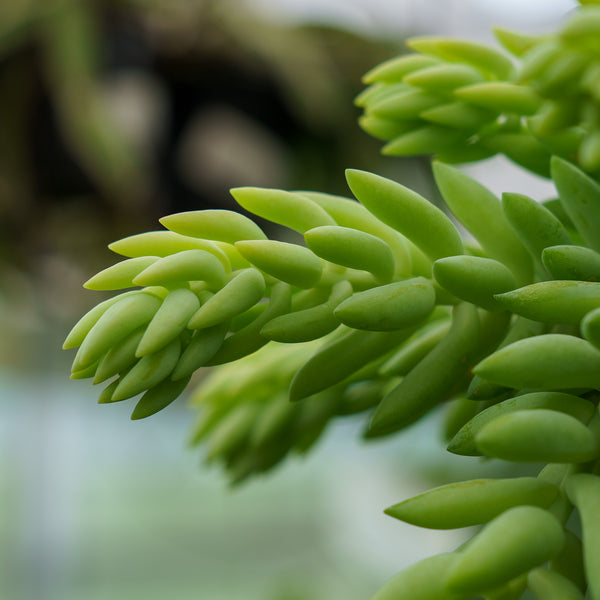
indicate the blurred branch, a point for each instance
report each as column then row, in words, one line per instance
column 72, row 57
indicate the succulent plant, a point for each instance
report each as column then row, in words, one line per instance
column 386, row 310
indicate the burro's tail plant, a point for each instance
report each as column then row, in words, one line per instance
column 386, row 310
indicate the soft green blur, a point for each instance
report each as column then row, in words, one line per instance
column 95, row 506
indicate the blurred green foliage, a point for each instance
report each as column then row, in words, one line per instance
column 115, row 112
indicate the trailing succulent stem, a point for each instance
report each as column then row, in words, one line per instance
column 385, row 311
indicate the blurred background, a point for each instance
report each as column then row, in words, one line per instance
column 112, row 114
